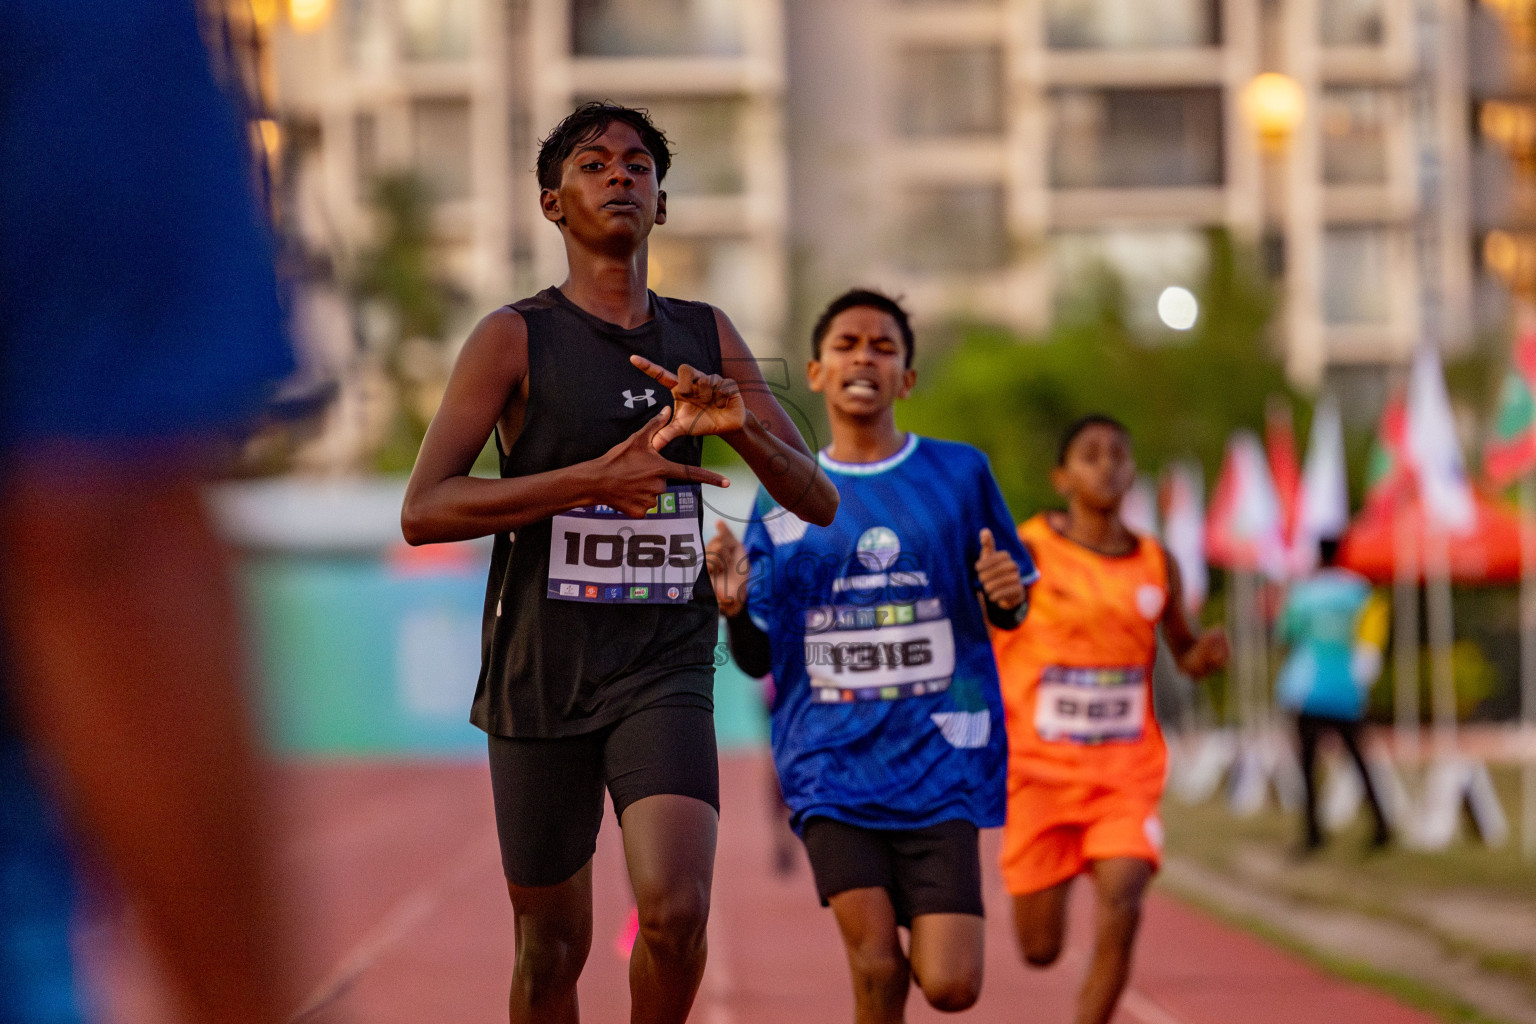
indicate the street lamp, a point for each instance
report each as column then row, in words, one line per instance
column 308, row 15
column 1274, row 104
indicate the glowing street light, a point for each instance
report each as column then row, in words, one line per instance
column 308, row 15
column 1177, row 308
column 1274, row 104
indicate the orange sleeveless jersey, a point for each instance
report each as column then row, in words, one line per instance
column 1077, row 675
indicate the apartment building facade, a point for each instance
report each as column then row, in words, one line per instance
column 993, row 152
column 981, row 157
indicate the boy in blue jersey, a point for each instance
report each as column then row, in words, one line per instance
column 1325, row 678
column 887, row 719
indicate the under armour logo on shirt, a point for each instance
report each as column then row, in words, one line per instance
column 630, row 398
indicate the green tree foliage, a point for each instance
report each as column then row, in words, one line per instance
column 399, row 276
column 1180, row 396
column 400, row 271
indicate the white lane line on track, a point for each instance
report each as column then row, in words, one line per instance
column 1137, row 1004
column 401, row 919
column 1145, row 1010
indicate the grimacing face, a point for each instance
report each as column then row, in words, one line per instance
column 861, row 369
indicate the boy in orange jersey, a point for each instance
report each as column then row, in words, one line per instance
column 1086, row 758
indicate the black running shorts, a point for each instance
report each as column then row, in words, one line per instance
column 549, row 792
column 933, row 870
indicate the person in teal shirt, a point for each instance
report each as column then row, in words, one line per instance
column 1324, row 679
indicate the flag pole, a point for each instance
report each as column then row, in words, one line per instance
column 1405, row 638
column 1528, row 667
column 1437, row 576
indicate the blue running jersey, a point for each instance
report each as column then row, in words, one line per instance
column 887, row 712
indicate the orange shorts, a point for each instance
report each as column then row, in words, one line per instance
column 1054, row 830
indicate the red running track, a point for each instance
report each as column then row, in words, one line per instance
column 395, row 877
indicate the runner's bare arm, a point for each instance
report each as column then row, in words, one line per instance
column 489, row 384
column 762, row 433
column 1197, row 654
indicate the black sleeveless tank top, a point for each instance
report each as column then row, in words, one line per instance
column 560, row 668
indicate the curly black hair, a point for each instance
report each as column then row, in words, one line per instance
column 586, row 123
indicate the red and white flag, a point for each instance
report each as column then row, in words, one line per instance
column 1243, row 524
column 1323, row 501
column 1433, row 450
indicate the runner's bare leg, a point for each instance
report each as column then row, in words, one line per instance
column 1040, row 920
column 1119, row 884
column 553, row 934
column 947, row 952
column 881, row 973
column 669, row 843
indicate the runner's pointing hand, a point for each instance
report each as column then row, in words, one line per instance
column 633, row 473
column 706, row 403
column 999, row 574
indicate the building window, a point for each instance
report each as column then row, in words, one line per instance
column 706, row 135
column 1354, row 136
column 436, row 29
column 440, row 143
column 955, row 227
column 1356, row 264
column 1142, row 263
column 1136, row 138
column 714, row 270
column 368, row 41
column 950, row 91
column 1116, row 25
column 1351, row 22
column 656, row 28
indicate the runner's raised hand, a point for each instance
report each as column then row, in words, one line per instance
column 706, row 403
column 728, row 569
column 633, row 473
column 999, row 574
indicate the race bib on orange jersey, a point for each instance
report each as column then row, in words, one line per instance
column 597, row 553
column 1091, row 705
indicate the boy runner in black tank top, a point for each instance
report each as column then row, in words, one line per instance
column 599, row 623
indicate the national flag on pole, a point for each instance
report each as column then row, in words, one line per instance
column 1284, row 466
column 1323, row 505
column 1387, row 475
column 1184, row 530
column 1242, row 526
column 1433, row 449
column 1511, row 451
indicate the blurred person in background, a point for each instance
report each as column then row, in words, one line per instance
column 887, row 720
column 139, row 332
column 600, row 629
column 1087, row 761
column 1334, row 627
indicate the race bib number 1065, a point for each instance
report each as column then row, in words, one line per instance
column 597, row 553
